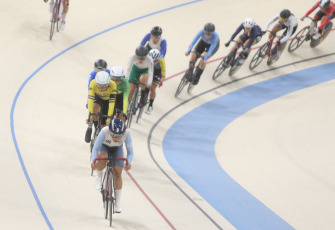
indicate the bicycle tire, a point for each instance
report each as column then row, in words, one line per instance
column 298, row 39
column 190, row 88
column 236, row 66
column 182, row 84
column 105, row 194
column 111, row 196
column 259, row 56
column 220, row 68
column 132, row 107
column 53, row 21
column 139, row 114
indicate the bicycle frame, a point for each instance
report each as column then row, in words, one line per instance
column 55, row 16
column 133, row 105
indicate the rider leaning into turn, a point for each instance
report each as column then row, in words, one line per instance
column 207, row 39
column 122, row 94
column 140, row 69
column 101, row 94
column 327, row 9
column 252, row 35
column 286, row 21
column 64, row 13
column 159, row 76
column 154, row 40
column 109, row 143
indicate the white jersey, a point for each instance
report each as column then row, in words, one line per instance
column 155, row 46
column 108, row 138
column 290, row 23
column 148, row 63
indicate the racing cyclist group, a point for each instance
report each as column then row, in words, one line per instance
column 111, row 90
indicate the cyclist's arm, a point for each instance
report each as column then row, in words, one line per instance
column 163, row 66
column 255, row 32
column 163, row 48
column 91, row 77
column 97, row 144
column 271, row 21
column 91, row 97
column 312, row 9
column 236, row 32
column 212, row 47
column 111, row 100
column 129, row 147
column 145, row 39
column 125, row 95
column 196, row 38
column 130, row 65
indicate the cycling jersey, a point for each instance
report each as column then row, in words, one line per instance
column 213, row 41
column 159, row 64
column 161, row 44
column 147, row 64
column 328, row 12
column 108, row 94
column 123, row 87
column 105, row 138
column 253, row 34
column 290, row 23
column 92, row 76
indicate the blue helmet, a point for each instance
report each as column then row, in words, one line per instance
column 117, row 127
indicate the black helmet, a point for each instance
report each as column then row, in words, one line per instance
column 285, row 14
column 209, row 28
column 141, row 52
column 100, row 65
column 156, row 31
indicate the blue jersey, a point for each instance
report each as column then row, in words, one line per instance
column 160, row 45
column 254, row 33
column 92, row 76
column 213, row 41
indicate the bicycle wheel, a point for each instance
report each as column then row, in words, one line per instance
column 110, row 196
column 221, row 67
column 132, row 107
column 328, row 28
column 105, row 193
column 53, row 21
column 139, row 114
column 258, row 57
column 298, row 39
column 183, row 82
column 236, row 66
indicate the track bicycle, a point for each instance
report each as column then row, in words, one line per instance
column 230, row 61
column 306, row 34
column 266, row 50
column 96, row 130
column 55, row 17
column 134, row 104
column 108, row 187
column 187, row 78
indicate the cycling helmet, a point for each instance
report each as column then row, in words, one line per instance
column 248, row 23
column 117, row 127
column 154, row 54
column 156, row 31
column 141, row 52
column 324, row 4
column 102, row 79
column 209, row 28
column 100, row 65
column 285, row 14
column 117, row 73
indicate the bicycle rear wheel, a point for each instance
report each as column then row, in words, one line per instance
column 298, row 39
column 54, row 18
column 236, row 66
column 183, row 82
column 258, row 57
column 132, row 107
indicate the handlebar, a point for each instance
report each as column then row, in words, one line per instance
column 110, row 159
column 96, row 114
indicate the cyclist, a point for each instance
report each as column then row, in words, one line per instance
column 101, row 94
column 65, row 4
column 99, row 65
column 159, row 76
column 286, row 21
column 154, row 40
column 252, row 35
column 117, row 75
column 208, row 43
column 109, row 143
column 140, row 69
column 327, row 8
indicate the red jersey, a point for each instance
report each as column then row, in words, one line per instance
column 328, row 12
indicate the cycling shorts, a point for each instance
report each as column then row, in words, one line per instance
column 136, row 73
column 114, row 152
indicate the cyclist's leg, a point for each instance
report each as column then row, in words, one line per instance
column 117, row 170
column 105, row 107
column 144, row 89
column 274, row 30
column 100, row 165
column 133, row 78
column 200, row 48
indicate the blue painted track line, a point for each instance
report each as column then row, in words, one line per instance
column 41, row 67
column 191, row 153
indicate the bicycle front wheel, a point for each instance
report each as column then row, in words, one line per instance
column 298, row 39
column 221, row 67
column 258, row 57
column 110, row 196
column 236, row 66
column 183, row 82
column 132, row 107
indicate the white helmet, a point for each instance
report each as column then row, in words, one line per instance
column 248, row 23
column 154, row 54
column 324, row 4
column 117, row 73
column 102, row 79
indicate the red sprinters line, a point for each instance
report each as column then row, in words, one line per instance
column 151, row 202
